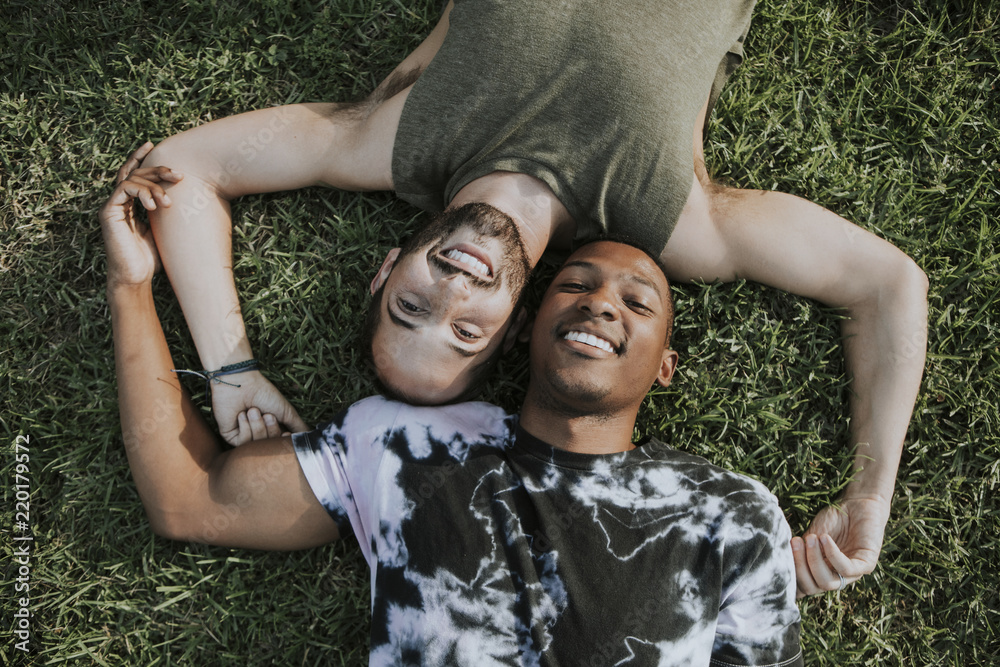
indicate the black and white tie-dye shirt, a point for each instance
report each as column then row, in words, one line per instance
column 489, row 547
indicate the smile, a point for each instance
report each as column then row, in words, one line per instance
column 471, row 263
column 591, row 340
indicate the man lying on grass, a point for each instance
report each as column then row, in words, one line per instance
column 592, row 122
column 492, row 539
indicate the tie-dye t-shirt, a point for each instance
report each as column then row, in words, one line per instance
column 489, row 547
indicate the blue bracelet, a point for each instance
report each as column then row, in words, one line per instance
column 213, row 376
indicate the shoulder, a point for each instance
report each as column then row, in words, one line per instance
column 733, row 498
column 377, row 418
column 450, row 430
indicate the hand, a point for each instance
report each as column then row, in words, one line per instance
column 132, row 256
column 259, row 427
column 254, row 393
column 844, row 540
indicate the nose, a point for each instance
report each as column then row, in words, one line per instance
column 455, row 287
column 599, row 303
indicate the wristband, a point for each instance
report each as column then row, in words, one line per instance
column 213, row 376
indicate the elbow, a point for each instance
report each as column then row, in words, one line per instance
column 176, row 525
column 891, row 278
column 177, row 154
column 162, row 528
column 891, row 285
column 914, row 276
column 184, row 153
column 910, row 282
column 167, row 153
column 202, row 174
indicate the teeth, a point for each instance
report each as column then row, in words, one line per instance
column 591, row 340
column 468, row 260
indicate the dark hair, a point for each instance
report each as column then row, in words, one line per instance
column 625, row 240
column 373, row 316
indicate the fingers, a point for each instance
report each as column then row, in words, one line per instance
column 258, row 430
column 272, row 426
column 158, row 174
column 150, row 194
column 131, row 168
column 804, row 580
column 822, row 572
column 243, row 434
column 259, row 427
column 851, row 569
column 133, row 161
column 820, row 564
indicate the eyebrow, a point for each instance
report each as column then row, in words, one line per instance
column 632, row 277
column 396, row 319
column 461, row 351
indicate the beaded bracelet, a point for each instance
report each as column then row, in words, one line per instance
column 213, row 376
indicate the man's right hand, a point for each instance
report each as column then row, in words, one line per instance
column 255, row 391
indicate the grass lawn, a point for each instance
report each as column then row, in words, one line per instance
column 885, row 112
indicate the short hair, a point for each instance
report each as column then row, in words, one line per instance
column 626, row 240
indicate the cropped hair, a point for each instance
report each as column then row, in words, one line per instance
column 625, row 240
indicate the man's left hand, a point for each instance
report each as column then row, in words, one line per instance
column 843, row 541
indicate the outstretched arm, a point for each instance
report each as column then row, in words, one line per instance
column 282, row 148
column 254, row 496
column 792, row 244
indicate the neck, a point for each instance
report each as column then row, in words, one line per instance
column 604, row 433
column 540, row 217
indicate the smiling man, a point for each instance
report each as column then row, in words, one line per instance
column 608, row 306
column 447, row 294
column 492, row 540
column 558, row 122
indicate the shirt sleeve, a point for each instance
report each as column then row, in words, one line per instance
column 729, row 64
column 340, row 460
column 759, row 622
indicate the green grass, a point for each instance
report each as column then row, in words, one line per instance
column 885, row 112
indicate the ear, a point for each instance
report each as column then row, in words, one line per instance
column 514, row 332
column 668, row 364
column 384, row 270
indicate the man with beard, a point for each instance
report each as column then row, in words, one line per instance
column 492, row 540
column 554, row 121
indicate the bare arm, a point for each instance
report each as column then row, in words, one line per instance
column 792, row 244
column 295, row 146
column 255, row 496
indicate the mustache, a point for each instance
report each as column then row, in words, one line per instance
column 451, row 269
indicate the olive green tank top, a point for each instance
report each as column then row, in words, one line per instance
column 596, row 99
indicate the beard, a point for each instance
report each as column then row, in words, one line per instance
column 572, row 397
column 488, row 223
